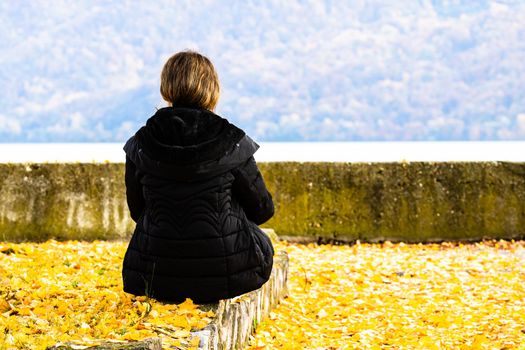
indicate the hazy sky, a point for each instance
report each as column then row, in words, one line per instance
column 290, row 70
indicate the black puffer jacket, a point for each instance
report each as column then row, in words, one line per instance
column 197, row 196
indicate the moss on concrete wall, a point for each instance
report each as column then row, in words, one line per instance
column 418, row 201
column 63, row 201
column 413, row 202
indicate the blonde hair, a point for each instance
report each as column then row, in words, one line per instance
column 189, row 79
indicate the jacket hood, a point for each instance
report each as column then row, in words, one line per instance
column 188, row 144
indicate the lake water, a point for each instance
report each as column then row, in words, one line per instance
column 513, row 151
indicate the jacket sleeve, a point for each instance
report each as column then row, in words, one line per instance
column 134, row 195
column 250, row 190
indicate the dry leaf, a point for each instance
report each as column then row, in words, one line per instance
column 400, row 296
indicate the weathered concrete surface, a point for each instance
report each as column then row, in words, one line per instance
column 63, row 201
column 413, row 202
column 147, row 344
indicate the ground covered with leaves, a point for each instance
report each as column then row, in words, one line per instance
column 365, row 296
column 72, row 291
column 399, row 296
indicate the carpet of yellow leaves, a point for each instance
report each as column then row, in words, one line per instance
column 400, row 296
column 365, row 296
column 72, row 291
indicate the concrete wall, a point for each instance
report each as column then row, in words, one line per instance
column 418, row 201
column 63, row 201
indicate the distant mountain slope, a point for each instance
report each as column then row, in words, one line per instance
column 294, row 70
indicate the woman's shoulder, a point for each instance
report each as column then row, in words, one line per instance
column 190, row 143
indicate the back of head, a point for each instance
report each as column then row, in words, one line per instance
column 189, row 79
column 188, row 141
